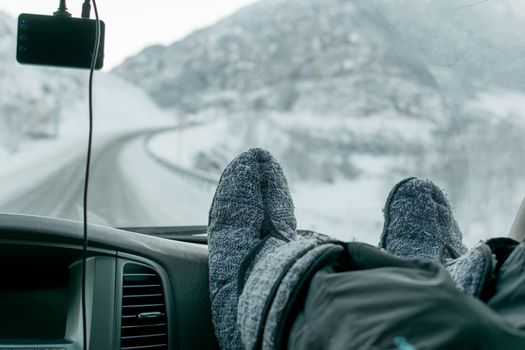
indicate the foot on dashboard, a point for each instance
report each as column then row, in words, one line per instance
column 419, row 223
column 472, row 271
column 250, row 216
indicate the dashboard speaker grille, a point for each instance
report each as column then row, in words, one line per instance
column 144, row 321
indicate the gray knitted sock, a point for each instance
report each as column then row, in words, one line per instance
column 419, row 223
column 251, row 215
column 471, row 271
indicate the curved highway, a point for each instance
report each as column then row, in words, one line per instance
column 128, row 188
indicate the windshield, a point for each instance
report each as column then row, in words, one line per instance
column 350, row 96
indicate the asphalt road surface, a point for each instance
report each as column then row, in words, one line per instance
column 128, row 188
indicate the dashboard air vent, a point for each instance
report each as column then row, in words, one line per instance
column 144, row 321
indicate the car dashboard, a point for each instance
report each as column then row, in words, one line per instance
column 142, row 291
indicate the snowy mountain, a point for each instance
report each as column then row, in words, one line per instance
column 39, row 102
column 340, row 79
column 335, row 56
column 297, row 76
column 324, row 56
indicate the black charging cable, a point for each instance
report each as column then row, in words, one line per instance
column 94, row 59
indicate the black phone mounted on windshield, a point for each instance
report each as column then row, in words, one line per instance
column 58, row 41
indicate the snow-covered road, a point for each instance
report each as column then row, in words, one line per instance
column 128, row 188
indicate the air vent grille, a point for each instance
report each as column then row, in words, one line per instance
column 144, row 321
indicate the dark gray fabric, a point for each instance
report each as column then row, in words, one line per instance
column 252, row 212
column 419, row 223
column 386, row 301
column 509, row 296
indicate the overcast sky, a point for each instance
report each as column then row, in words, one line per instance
column 139, row 24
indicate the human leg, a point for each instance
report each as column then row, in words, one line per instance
column 250, row 202
column 381, row 301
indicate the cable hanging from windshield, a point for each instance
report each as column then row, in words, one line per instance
column 94, row 58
